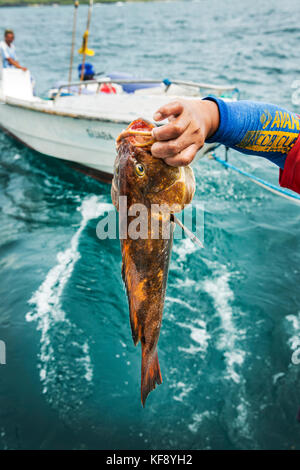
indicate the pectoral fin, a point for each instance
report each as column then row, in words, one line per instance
column 187, row 231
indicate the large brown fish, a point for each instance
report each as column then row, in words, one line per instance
column 145, row 261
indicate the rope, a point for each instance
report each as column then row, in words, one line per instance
column 260, row 182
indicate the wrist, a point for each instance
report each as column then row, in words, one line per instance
column 211, row 116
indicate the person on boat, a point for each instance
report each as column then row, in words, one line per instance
column 8, row 51
column 89, row 71
column 250, row 127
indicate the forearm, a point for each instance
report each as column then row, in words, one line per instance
column 15, row 63
column 256, row 128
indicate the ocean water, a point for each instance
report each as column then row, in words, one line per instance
column 232, row 313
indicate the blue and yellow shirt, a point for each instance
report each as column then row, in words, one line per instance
column 257, row 128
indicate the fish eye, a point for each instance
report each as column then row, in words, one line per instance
column 139, row 169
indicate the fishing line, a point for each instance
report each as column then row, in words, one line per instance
column 259, row 181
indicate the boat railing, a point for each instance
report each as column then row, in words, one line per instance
column 218, row 89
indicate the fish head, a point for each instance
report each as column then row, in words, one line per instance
column 144, row 178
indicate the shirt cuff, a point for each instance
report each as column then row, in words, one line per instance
column 223, row 112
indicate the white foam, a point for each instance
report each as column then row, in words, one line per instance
column 197, row 420
column 86, row 361
column 183, row 390
column 241, row 421
column 197, row 327
column 2, row 439
column 218, row 288
column 277, row 376
column 229, row 343
column 181, row 302
column 184, row 248
column 186, row 282
column 294, row 340
column 199, row 335
column 46, row 303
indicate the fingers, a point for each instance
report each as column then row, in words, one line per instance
column 184, row 158
column 164, row 112
column 173, row 146
column 173, row 130
column 178, row 141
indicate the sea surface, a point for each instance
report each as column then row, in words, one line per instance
column 232, row 313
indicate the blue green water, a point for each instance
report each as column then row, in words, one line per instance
column 231, row 319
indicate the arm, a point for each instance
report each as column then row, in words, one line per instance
column 249, row 127
column 15, row 63
column 253, row 128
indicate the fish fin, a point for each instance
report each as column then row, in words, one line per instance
column 151, row 374
column 187, row 231
column 134, row 331
column 133, row 323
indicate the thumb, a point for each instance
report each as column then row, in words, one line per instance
column 171, row 109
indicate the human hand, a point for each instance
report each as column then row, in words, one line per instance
column 191, row 122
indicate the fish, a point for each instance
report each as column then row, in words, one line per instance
column 142, row 179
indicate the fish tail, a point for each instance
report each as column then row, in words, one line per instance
column 151, row 374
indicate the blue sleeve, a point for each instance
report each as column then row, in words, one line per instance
column 256, row 129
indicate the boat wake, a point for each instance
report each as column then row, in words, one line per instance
column 64, row 358
column 294, row 327
column 218, row 288
column 226, row 337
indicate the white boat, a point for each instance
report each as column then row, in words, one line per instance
column 80, row 124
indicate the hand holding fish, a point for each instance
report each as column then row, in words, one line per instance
column 191, row 122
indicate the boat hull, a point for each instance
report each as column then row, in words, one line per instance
column 84, row 142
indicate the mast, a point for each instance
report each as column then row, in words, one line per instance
column 84, row 49
column 76, row 4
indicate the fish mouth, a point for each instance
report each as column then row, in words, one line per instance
column 135, row 133
column 141, row 130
